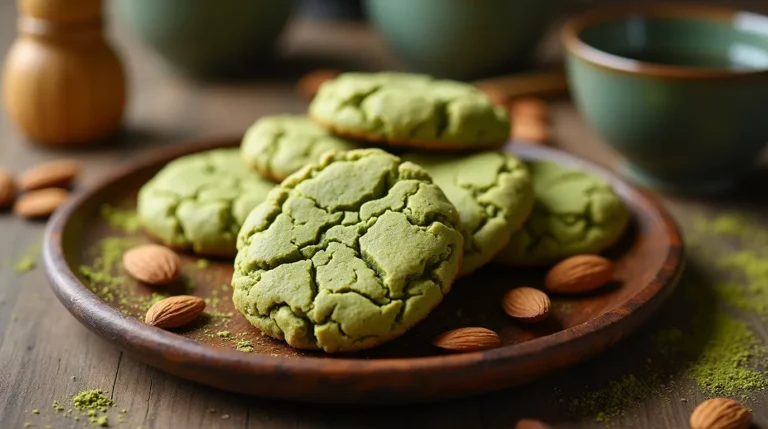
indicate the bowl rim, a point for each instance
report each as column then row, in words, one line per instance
column 574, row 26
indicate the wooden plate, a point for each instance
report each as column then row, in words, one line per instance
column 649, row 261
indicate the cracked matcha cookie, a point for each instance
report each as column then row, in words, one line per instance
column 277, row 146
column 492, row 192
column 198, row 202
column 410, row 110
column 347, row 253
column 574, row 213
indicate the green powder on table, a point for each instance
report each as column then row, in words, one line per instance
column 619, row 395
column 27, row 261
column 127, row 221
column 717, row 350
column 93, row 402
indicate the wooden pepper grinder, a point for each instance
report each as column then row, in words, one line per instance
column 63, row 84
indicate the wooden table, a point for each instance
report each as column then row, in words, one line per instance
column 46, row 355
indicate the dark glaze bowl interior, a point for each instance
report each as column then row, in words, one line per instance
column 672, row 39
column 409, row 369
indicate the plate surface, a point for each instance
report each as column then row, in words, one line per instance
column 649, row 262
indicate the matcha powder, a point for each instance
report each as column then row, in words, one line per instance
column 92, row 403
column 712, row 346
column 125, row 220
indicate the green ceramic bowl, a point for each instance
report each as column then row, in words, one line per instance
column 462, row 39
column 679, row 91
column 207, row 38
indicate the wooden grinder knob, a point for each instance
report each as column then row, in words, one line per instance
column 63, row 85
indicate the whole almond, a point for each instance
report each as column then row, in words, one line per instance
column 530, row 131
column 152, row 264
column 526, row 304
column 310, row 83
column 721, row 413
column 174, row 311
column 528, row 108
column 580, row 273
column 467, row 340
column 40, row 203
column 530, row 424
column 60, row 173
column 7, row 189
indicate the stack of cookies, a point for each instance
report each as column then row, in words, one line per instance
column 349, row 225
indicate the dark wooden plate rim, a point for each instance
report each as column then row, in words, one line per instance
column 102, row 318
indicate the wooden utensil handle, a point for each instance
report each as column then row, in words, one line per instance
column 539, row 84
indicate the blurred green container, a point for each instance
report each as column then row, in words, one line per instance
column 206, row 38
column 462, row 39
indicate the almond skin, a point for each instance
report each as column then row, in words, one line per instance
column 174, row 311
column 467, row 340
column 721, row 413
column 530, row 131
column 152, row 264
column 526, row 304
column 60, row 173
column 578, row 274
column 310, row 83
column 40, row 203
column 530, row 424
column 528, row 108
column 7, row 189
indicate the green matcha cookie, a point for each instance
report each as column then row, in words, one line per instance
column 347, row 253
column 492, row 192
column 277, row 146
column 410, row 110
column 573, row 213
column 198, row 202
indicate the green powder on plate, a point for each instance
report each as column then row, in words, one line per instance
column 127, row 221
column 245, row 346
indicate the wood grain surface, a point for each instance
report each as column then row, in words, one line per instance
column 42, row 347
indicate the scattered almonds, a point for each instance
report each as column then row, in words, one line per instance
column 526, row 304
column 7, row 189
column 529, row 117
column 310, row 83
column 721, row 413
column 152, row 264
column 529, row 108
column 174, row 311
column 60, row 173
column 40, row 203
column 580, row 273
column 530, row 424
column 530, row 131
column 467, row 340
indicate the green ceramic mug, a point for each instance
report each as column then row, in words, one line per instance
column 679, row 91
column 462, row 39
column 207, row 38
